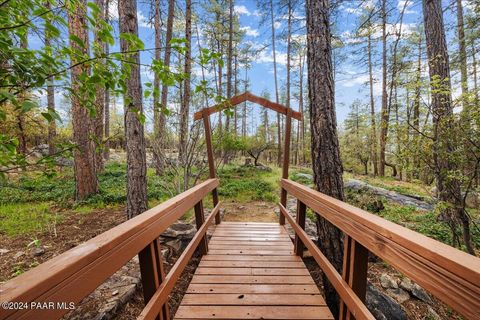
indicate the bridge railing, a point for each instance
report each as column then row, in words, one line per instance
column 447, row 273
column 71, row 276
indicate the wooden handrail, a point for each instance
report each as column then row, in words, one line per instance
column 72, row 275
column 449, row 274
column 354, row 304
column 155, row 304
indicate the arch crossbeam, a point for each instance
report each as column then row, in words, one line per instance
column 247, row 96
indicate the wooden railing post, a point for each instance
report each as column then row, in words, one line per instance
column 153, row 274
column 301, row 211
column 211, row 161
column 355, row 267
column 286, row 161
column 200, row 220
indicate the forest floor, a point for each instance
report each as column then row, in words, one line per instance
column 39, row 219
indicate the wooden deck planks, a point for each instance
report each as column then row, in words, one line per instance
column 251, row 272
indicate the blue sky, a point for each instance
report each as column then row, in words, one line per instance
column 351, row 77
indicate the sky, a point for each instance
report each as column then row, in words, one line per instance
column 350, row 76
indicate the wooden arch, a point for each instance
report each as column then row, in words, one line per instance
column 247, row 96
column 232, row 102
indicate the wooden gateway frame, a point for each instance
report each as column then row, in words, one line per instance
column 233, row 102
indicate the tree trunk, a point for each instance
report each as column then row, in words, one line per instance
column 448, row 185
column 462, row 51
column 327, row 165
column 301, row 124
column 84, row 156
column 185, row 106
column 416, row 113
column 372, row 107
column 157, row 145
column 52, row 126
column 229, row 61
column 134, row 131
column 106, row 150
column 385, row 112
column 99, row 97
column 279, row 129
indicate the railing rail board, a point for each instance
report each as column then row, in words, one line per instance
column 74, row 274
column 449, row 274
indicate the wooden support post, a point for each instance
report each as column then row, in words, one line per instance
column 153, row 274
column 355, row 268
column 301, row 211
column 200, row 220
column 286, row 160
column 211, row 160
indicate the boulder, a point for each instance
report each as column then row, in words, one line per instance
column 398, row 294
column 180, row 230
column 304, row 176
column 382, row 306
column 388, row 282
column 406, row 284
column 420, row 293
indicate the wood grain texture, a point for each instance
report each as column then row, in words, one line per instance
column 449, row 274
column 246, row 96
column 74, row 274
column 252, row 279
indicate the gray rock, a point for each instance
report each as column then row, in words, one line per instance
column 398, row 294
column 382, row 306
column 389, row 195
column 3, row 251
column 18, row 254
column 180, row 230
column 37, row 251
column 388, row 282
column 420, row 293
column 306, row 176
column 406, row 284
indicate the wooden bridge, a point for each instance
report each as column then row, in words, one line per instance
column 249, row 270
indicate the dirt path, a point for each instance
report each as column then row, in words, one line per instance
column 255, row 211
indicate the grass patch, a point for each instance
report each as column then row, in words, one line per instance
column 247, row 183
column 18, row 219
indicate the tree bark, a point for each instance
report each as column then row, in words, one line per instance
column 279, row 129
column 134, row 130
column 229, row 61
column 185, row 106
column 448, row 186
column 372, row 107
column 416, row 113
column 157, row 113
column 52, row 126
column 106, row 150
column 462, row 51
column 84, row 156
column 99, row 97
column 327, row 165
column 385, row 111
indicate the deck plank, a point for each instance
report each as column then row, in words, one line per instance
column 251, row 272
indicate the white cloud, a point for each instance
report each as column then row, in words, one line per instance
column 277, row 25
column 267, row 57
column 249, row 31
column 143, row 20
column 405, row 4
column 241, row 10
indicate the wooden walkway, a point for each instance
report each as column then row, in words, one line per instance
column 251, row 272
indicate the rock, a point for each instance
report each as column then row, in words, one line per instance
column 398, row 294
column 37, row 251
column 115, row 292
column 176, row 244
column 420, row 293
column 382, row 306
column 304, row 176
column 389, row 195
column 18, row 254
column 406, row 284
column 241, row 208
column 388, row 282
column 432, row 314
column 3, row 251
column 180, row 230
